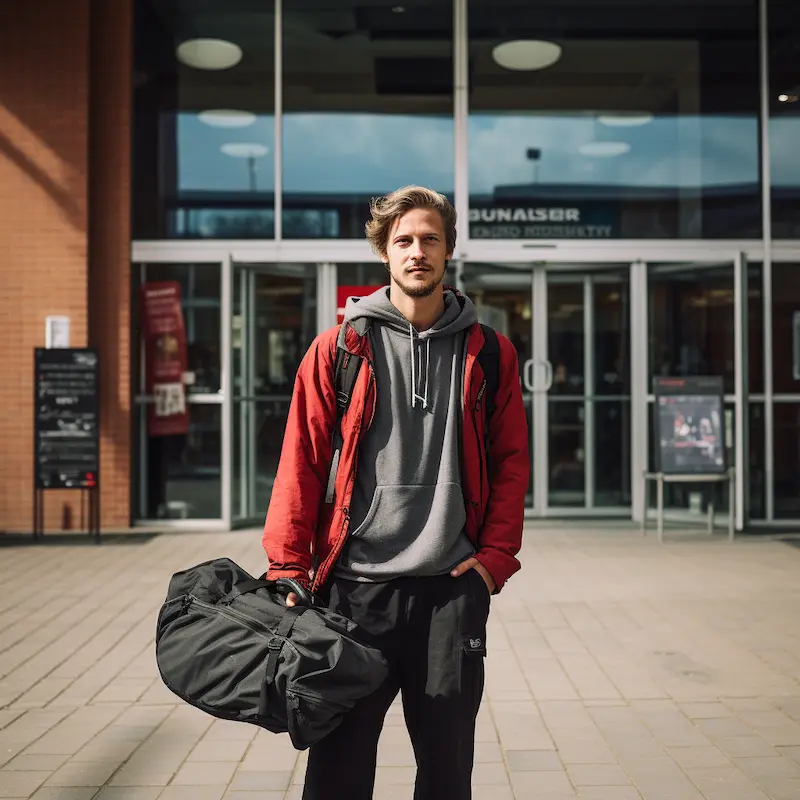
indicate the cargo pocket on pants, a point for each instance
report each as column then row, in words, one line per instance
column 473, row 635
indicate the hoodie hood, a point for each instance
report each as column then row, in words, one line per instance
column 459, row 315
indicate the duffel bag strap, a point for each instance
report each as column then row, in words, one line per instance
column 290, row 616
column 283, row 586
column 244, row 587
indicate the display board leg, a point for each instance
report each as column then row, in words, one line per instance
column 97, row 514
column 644, row 505
column 711, row 511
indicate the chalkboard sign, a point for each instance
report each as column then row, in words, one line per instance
column 689, row 426
column 66, row 419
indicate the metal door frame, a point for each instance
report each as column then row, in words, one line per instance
column 563, row 256
column 541, row 279
column 246, row 272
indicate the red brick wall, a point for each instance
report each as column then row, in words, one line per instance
column 44, row 241
column 44, row 98
column 109, row 244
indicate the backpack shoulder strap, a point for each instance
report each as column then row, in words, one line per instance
column 489, row 359
column 345, row 373
column 344, row 379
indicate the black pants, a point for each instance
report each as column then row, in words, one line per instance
column 432, row 632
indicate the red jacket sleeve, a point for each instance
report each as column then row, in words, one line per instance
column 500, row 537
column 302, row 474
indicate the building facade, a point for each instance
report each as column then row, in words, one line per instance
column 628, row 193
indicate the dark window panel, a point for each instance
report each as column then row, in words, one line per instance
column 201, row 175
column 368, row 107
column 645, row 127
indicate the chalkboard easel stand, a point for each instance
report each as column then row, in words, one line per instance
column 66, row 431
column 90, row 511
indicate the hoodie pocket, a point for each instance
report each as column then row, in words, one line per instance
column 403, row 512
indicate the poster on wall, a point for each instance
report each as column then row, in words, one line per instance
column 689, row 425
column 165, row 357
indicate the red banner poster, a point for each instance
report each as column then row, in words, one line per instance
column 165, row 357
column 343, row 292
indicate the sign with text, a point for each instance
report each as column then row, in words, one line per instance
column 515, row 220
column 689, row 420
column 165, row 357
column 66, row 418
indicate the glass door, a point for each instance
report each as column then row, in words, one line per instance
column 570, row 328
column 581, row 332
column 273, row 323
column 179, row 476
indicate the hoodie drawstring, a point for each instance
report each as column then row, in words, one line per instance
column 414, row 393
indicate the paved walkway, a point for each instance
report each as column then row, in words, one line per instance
column 618, row 669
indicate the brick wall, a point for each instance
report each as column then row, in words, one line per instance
column 109, row 244
column 44, row 240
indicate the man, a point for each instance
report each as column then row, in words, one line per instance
column 409, row 525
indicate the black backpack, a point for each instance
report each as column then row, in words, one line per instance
column 227, row 644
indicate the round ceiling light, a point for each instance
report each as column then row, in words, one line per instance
column 626, row 119
column 227, row 118
column 244, row 150
column 209, row 53
column 604, row 149
column 526, row 54
column 787, row 98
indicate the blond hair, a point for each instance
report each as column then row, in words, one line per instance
column 385, row 211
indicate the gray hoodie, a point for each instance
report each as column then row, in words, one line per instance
column 407, row 512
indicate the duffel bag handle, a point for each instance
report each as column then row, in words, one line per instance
column 283, row 586
column 287, row 585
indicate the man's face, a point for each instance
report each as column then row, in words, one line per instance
column 416, row 252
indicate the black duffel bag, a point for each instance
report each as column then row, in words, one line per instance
column 227, row 644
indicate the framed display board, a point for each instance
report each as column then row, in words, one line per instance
column 690, row 426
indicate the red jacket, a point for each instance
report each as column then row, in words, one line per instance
column 304, row 535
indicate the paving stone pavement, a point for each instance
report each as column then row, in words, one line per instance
column 619, row 669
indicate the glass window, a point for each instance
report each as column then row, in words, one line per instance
column 368, row 107
column 787, row 460
column 691, row 322
column 784, row 104
column 566, row 425
column 200, row 303
column 786, row 328
column 183, row 474
column 587, row 121
column 757, row 474
column 565, row 337
column 274, row 323
column 755, row 325
column 369, row 274
column 612, row 453
column 611, row 313
column 179, row 476
column 203, row 120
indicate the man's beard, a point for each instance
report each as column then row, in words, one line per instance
column 419, row 290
